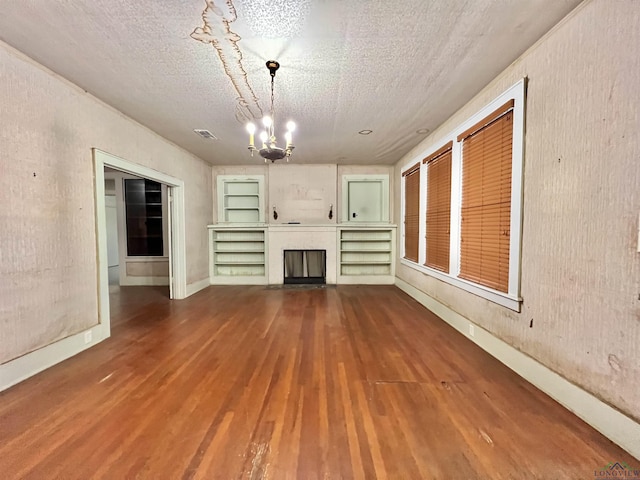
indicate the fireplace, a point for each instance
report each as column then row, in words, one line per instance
column 283, row 237
column 305, row 266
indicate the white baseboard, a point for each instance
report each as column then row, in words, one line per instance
column 26, row 366
column 614, row 425
column 365, row 280
column 239, row 280
column 144, row 281
column 197, row 286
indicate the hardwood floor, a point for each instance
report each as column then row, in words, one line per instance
column 256, row 383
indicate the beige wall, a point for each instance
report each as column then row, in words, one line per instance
column 580, row 268
column 47, row 233
column 147, row 269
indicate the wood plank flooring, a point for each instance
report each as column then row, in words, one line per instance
column 254, row 383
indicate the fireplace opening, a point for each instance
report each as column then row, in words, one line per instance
column 305, row 266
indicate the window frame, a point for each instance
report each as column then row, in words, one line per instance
column 511, row 299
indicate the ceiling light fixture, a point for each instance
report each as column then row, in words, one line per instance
column 269, row 150
column 365, row 132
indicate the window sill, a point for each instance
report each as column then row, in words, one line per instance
column 508, row 301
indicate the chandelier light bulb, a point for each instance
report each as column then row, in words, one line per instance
column 251, row 128
column 291, row 126
column 266, row 120
column 264, row 136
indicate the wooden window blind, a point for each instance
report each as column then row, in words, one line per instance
column 438, row 208
column 411, row 211
column 486, row 200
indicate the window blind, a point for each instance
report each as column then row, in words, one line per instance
column 411, row 211
column 486, row 200
column 438, row 208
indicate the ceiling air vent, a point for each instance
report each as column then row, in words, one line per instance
column 206, row 134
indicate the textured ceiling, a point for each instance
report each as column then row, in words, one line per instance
column 177, row 65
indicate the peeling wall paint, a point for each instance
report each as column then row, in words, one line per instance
column 580, row 268
column 218, row 17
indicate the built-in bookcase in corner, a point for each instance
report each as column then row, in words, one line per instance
column 237, row 255
column 240, row 199
column 366, row 254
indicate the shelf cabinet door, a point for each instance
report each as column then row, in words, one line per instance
column 365, row 198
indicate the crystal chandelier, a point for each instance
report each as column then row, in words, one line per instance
column 269, row 150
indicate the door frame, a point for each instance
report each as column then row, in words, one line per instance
column 177, row 251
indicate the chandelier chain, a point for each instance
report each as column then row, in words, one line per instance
column 273, row 120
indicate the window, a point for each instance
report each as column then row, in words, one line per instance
column 438, row 208
column 470, row 212
column 486, row 200
column 411, row 212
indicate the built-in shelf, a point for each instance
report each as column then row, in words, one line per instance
column 240, row 199
column 366, row 262
column 237, row 255
column 366, row 252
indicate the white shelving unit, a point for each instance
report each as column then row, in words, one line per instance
column 366, row 254
column 240, row 199
column 237, row 255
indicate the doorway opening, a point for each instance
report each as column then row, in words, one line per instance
column 138, row 219
column 149, row 219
